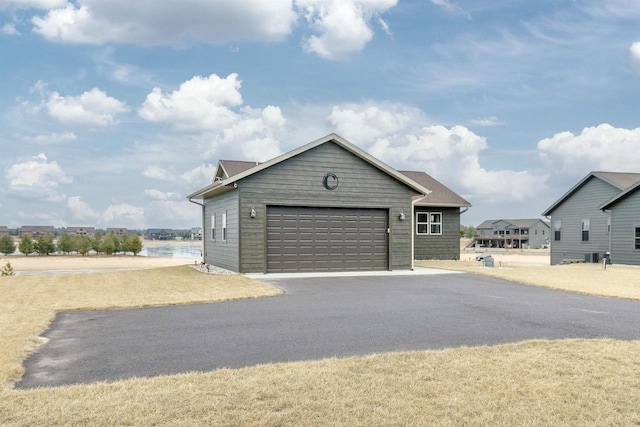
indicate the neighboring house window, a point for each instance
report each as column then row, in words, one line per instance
column 224, row 227
column 436, row 222
column 557, row 230
column 429, row 223
column 637, row 238
column 213, row 227
column 585, row 230
column 535, row 232
column 609, row 225
column 422, row 223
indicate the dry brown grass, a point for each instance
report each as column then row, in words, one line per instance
column 570, row 382
column 575, row 382
column 618, row 281
column 29, row 303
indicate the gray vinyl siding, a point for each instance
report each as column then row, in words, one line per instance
column 583, row 204
column 298, row 182
column 445, row 246
column 222, row 253
column 539, row 234
column 625, row 216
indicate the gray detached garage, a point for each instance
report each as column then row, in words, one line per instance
column 326, row 206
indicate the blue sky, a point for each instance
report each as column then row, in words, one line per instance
column 112, row 112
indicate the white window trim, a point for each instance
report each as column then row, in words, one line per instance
column 635, row 239
column 224, row 227
column 585, row 225
column 213, row 228
column 428, row 224
column 418, row 223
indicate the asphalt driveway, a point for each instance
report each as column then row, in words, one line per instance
column 318, row 318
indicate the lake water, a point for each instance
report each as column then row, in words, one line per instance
column 179, row 251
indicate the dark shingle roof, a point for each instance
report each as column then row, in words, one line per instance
column 440, row 195
column 234, row 167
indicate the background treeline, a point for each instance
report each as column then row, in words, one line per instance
column 108, row 244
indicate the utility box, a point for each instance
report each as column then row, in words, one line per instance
column 488, row 261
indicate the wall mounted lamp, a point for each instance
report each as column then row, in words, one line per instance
column 253, row 213
column 401, row 217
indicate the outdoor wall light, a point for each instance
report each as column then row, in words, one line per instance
column 402, row 217
column 253, row 213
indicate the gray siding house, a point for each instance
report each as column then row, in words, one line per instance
column 512, row 233
column 624, row 210
column 326, row 206
column 580, row 228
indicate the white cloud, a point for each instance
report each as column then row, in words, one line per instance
column 156, row 172
column 37, row 178
column 202, row 103
column 201, row 175
column 10, row 29
column 80, row 209
column 123, row 215
column 635, row 55
column 451, row 8
column 343, row 25
column 172, row 212
column 487, row 121
column 167, row 22
column 214, row 105
column 367, row 122
column 603, row 147
column 92, row 108
column 161, row 195
column 452, row 155
column 52, row 138
column 31, row 4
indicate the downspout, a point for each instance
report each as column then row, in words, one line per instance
column 413, row 233
column 610, row 228
column 204, row 232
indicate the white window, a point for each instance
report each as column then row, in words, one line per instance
column 557, row 230
column 213, row 227
column 422, row 223
column 637, row 237
column 429, row 223
column 435, row 219
column 224, row 227
column 585, row 230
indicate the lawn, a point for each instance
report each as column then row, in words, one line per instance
column 568, row 382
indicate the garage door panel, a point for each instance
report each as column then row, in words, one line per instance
column 326, row 239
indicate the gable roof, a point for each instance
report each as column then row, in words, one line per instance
column 619, row 180
column 632, row 189
column 440, row 195
column 218, row 186
column 234, row 167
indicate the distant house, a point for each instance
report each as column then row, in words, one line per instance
column 36, row 231
column 4, row 231
column 89, row 232
column 582, row 220
column 512, row 233
column 159, row 234
column 118, row 231
column 196, row 233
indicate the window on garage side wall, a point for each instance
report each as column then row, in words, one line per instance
column 422, row 223
column 213, row 227
column 224, row 227
column 637, row 237
column 435, row 223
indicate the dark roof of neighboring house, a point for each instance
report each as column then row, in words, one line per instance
column 220, row 182
column 620, row 180
column 520, row 223
column 440, row 195
column 4, row 228
column 37, row 227
column 234, row 167
column 81, row 228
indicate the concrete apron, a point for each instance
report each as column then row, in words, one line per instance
column 417, row 271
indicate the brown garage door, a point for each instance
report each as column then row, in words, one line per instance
column 326, row 239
